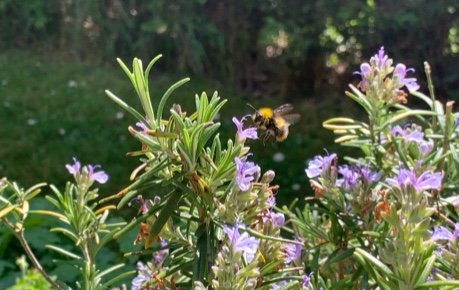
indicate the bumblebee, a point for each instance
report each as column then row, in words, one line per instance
column 275, row 122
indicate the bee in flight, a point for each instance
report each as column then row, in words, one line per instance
column 275, row 122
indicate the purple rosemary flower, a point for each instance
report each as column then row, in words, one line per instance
column 278, row 285
column 245, row 172
column 74, row 169
column 142, row 125
column 271, row 201
column 414, row 135
column 350, row 177
column 400, row 71
column 159, row 256
column 369, row 176
column 100, row 176
column 143, row 276
column 292, row 251
column 431, row 277
column 426, row 147
column 425, row 181
column 242, row 243
column 381, row 58
column 365, row 71
column 143, row 203
column 442, row 233
column 306, row 279
column 277, row 219
column 242, row 134
column 139, row 280
column 319, row 165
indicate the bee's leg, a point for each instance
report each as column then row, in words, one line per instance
column 266, row 136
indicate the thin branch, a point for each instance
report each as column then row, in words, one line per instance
column 37, row 265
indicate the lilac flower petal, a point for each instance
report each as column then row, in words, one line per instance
column 415, row 136
column 319, row 165
column 401, row 71
column 245, row 172
column 278, row 285
column 365, row 69
column 397, row 130
column 411, row 84
column 442, row 233
column 139, row 280
column 456, row 230
column 306, row 279
column 75, row 168
column 350, row 176
column 142, row 126
column 141, row 267
column 426, row 147
column 159, row 256
column 425, row 181
column 278, row 219
column 429, row 180
column 250, row 133
column 242, row 243
column 100, row 176
column 381, row 58
column 271, row 201
column 370, row 176
column 293, row 252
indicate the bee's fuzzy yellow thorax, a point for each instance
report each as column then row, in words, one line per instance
column 266, row 112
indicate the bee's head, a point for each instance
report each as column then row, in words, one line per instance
column 254, row 115
column 257, row 118
column 261, row 116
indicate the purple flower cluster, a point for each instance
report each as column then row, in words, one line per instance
column 379, row 68
column 400, row 72
column 99, row 176
column 425, row 181
column 319, row 165
column 414, row 135
column 425, row 147
column 242, row 133
column 353, row 174
column 142, row 277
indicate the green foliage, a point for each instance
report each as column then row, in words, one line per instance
column 184, row 156
column 370, row 222
column 31, row 280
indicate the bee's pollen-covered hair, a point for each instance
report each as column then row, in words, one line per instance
column 266, row 112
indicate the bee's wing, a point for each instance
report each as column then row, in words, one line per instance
column 284, row 109
column 291, row 118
